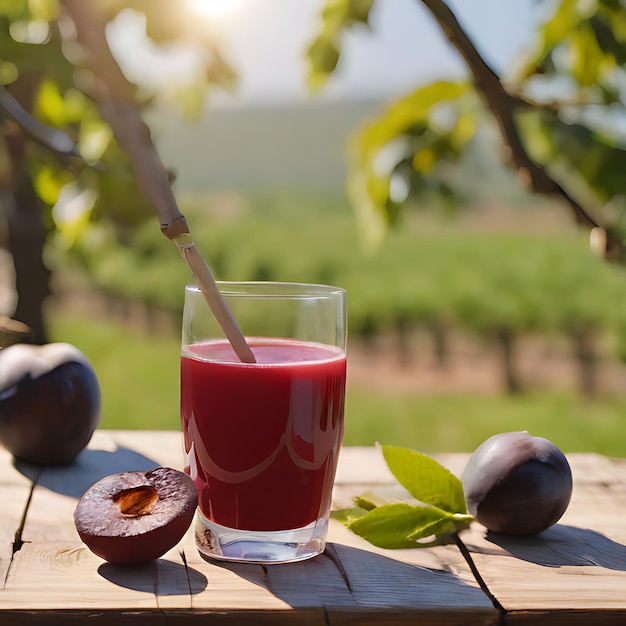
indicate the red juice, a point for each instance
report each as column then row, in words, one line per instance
column 263, row 438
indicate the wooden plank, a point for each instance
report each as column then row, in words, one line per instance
column 15, row 490
column 238, row 588
column 430, row 583
column 58, row 489
column 335, row 583
column 55, row 571
column 575, row 571
column 577, row 566
column 162, row 447
column 347, row 584
column 352, row 576
column 353, row 581
column 49, row 576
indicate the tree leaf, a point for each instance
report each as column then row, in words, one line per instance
column 425, row 479
column 405, row 114
column 435, row 529
column 378, row 148
column 400, row 525
column 323, row 53
column 323, row 56
column 347, row 516
column 442, row 509
column 47, row 10
column 367, row 503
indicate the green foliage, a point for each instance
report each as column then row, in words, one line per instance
column 402, row 525
column 577, row 65
column 580, row 47
column 138, row 373
column 584, row 41
column 323, row 53
column 440, row 510
column 40, row 71
column 425, row 479
column 404, row 150
column 457, row 422
column 476, row 282
column 594, row 156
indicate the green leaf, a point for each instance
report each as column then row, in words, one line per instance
column 607, row 34
column 564, row 20
column 13, row 9
column 425, row 479
column 442, row 509
column 8, row 72
column 347, row 516
column 46, row 10
column 401, row 525
column 48, row 182
column 444, row 527
column 323, row 53
column 405, row 128
column 586, row 57
column 405, row 114
column 366, row 503
column 49, row 104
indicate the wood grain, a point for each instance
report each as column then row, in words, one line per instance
column 15, row 491
column 575, row 567
column 575, row 572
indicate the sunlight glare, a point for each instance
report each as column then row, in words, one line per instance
column 217, row 10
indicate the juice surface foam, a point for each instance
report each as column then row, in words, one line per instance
column 266, row 351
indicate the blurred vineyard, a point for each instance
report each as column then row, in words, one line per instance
column 494, row 281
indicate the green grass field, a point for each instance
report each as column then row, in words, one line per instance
column 138, row 375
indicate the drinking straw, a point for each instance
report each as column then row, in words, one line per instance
column 178, row 232
column 115, row 99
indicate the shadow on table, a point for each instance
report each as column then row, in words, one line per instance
column 564, row 545
column 89, row 467
column 160, row 576
column 165, row 578
column 348, row 576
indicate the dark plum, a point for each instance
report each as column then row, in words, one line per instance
column 135, row 517
column 49, row 402
column 517, row 484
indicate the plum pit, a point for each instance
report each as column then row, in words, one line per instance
column 137, row 501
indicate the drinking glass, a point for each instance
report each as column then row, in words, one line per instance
column 262, row 439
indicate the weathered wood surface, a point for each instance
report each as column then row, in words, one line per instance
column 574, row 572
column 577, row 569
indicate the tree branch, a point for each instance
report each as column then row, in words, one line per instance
column 115, row 98
column 503, row 106
column 58, row 142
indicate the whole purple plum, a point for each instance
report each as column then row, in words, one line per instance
column 49, row 402
column 517, row 484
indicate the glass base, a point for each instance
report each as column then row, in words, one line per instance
column 265, row 547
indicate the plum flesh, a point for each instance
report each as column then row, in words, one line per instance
column 135, row 517
column 517, row 484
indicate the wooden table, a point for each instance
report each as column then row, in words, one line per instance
column 574, row 573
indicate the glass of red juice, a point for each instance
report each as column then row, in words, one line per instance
column 262, row 439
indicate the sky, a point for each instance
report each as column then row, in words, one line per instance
column 265, row 41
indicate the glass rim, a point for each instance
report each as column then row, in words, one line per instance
column 233, row 288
